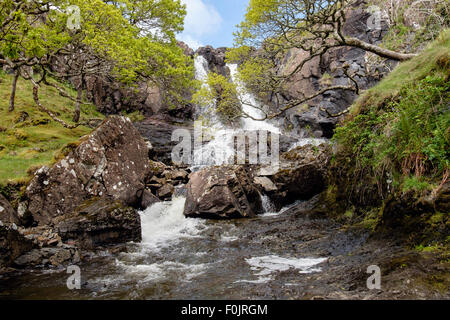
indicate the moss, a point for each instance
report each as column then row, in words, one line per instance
column 396, row 139
column 35, row 140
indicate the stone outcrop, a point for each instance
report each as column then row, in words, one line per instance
column 12, row 244
column 48, row 257
column 110, row 162
column 216, row 59
column 99, row 222
column 7, row 213
column 158, row 130
column 310, row 120
column 300, row 175
column 224, row 192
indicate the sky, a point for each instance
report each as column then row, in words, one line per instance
column 211, row 22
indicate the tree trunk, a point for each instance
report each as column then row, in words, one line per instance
column 13, row 91
column 385, row 53
column 76, row 115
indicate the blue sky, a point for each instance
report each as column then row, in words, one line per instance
column 212, row 22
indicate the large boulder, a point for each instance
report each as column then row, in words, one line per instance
column 100, row 222
column 224, row 192
column 12, row 244
column 301, row 174
column 110, row 162
column 7, row 212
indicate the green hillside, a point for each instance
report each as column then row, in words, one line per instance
column 28, row 137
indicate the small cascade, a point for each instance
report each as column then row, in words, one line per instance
column 220, row 148
column 248, row 101
column 164, row 223
column 201, row 68
column 268, row 206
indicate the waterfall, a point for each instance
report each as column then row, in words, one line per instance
column 164, row 222
column 248, row 100
column 201, row 68
column 220, row 147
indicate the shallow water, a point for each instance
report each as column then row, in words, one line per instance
column 181, row 258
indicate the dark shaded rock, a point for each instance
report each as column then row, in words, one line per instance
column 100, row 222
column 300, row 175
column 12, row 244
column 110, row 162
column 222, row 193
column 147, row 199
column 216, row 59
column 45, row 257
column 7, row 213
column 158, row 130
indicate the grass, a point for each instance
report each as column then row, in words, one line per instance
column 398, row 132
column 407, row 72
column 36, row 140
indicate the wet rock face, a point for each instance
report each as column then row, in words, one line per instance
column 158, row 131
column 216, row 59
column 221, row 193
column 300, row 175
column 110, row 162
column 100, row 222
column 12, row 244
column 7, row 213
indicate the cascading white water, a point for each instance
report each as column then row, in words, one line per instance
column 248, row 100
column 220, row 148
column 164, row 222
column 201, row 68
column 165, row 229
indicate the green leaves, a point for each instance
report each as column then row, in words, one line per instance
column 410, row 135
column 135, row 37
column 219, row 95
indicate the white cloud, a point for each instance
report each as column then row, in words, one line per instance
column 190, row 41
column 201, row 19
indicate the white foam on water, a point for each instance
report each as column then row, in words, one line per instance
column 162, row 270
column 268, row 206
column 164, row 224
column 265, row 267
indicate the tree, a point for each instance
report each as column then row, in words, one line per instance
column 131, row 40
column 312, row 26
column 219, row 96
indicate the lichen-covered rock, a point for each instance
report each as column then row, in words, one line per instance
column 112, row 161
column 100, row 222
column 12, row 244
column 7, row 212
column 224, row 192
